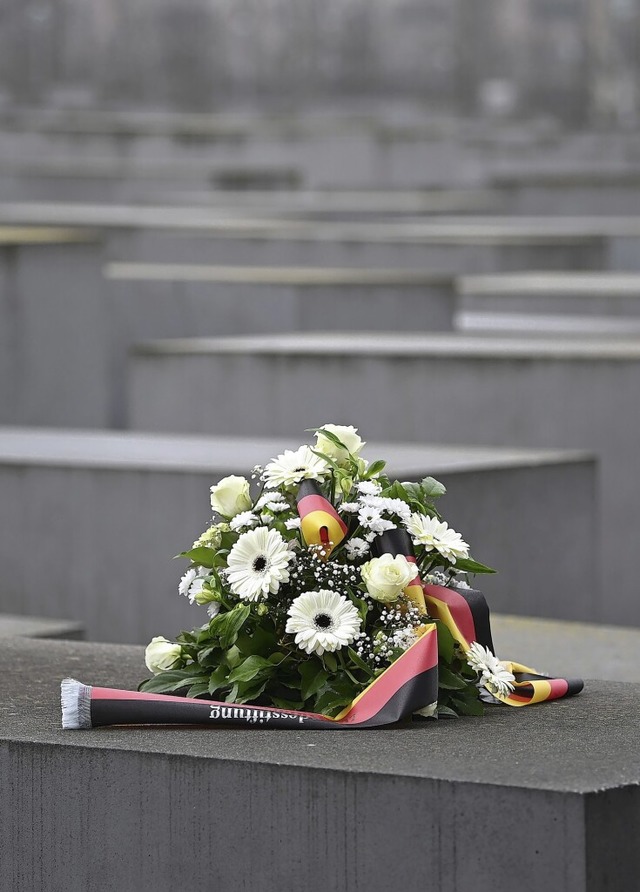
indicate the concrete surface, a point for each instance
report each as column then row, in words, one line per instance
column 557, row 785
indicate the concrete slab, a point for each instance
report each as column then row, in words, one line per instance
column 602, row 294
column 39, row 627
column 551, row 393
column 53, row 354
column 173, row 300
column 571, row 767
column 532, row 324
column 201, row 235
column 607, row 652
column 579, row 189
column 124, row 504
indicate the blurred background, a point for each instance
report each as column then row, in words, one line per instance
column 225, row 222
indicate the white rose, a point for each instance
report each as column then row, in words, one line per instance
column 385, row 577
column 161, row 654
column 231, row 496
column 347, row 435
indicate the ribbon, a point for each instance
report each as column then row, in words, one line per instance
column 409, row 684
column 466, row 614
column 320, row 523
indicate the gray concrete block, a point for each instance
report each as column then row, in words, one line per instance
column 201, row 235
column 575, row 190
column 53, row 352
column 107, row 801
column 124, row 504
column 588, row 649
column 549, row 393
column 593, row 294
column 168, row 300
column 39, row 627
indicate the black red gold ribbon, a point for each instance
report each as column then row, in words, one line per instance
column 466, row 614
column 320, row 523
column 409, row 684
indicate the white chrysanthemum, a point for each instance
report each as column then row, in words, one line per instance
column 350, row 507
column 258, row 563
column 292, row 467
column 293, row 523
column 371, row 519
column 368, row 487
column 356, row 548
column 191, row 583
column 322, row 621
column 244, row 520
column 495, row 677
column 213, row 609
column 435, row 535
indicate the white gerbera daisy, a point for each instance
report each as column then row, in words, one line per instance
column 495, row 677
column 244, row 520
column 435, row 535
column 291, row 467
column 322, row 621
column 258, row 563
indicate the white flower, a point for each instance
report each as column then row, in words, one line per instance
column 231, row 496
column 185, row 583
column 277, row 507
column 385, row 577
column 291, row 467
column 356, row 548
column 244, row 520
column 368, row 487
column 322, row 621
column 350, row 507
column 192, row 582
column 348, row 436
column 258, row 563
column 161, row 655
column 213, row 609
column 493, row 675
column 293, row 523
column 371, row 519
column 436, row 535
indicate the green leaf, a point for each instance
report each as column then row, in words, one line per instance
column 447, row 711
column 225, row 626
column 330, row 661
column 313, row 676
column 172, row 680
column 249, row 692
column 468, row 706
column 360, row 663
column 432, row 488
column 448, row 680
column 287, row 704
column 201, row 555
column 198, row 689
column 446, row 642
column 468, row 565
column 217, row 679
column 374, row 469
column 250, row 668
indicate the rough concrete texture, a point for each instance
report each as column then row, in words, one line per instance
column 38, row 627
column 531, row 799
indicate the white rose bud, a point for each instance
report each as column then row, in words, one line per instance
column 347, row 435
column 385, row 577
column 161, row 655
column 231, row 496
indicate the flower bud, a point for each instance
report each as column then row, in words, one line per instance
column 161, row 655
column 231, row 496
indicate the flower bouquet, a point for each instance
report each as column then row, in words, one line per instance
column 335, row 597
